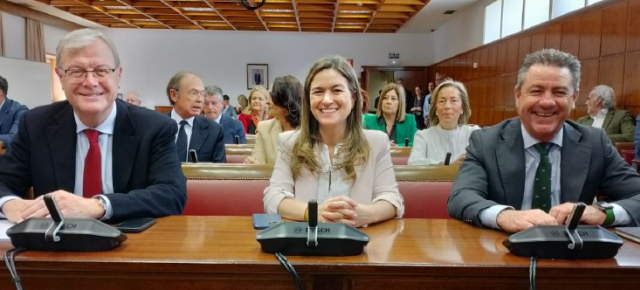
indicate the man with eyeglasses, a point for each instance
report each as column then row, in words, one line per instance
column 99, row 156
column 195, row 132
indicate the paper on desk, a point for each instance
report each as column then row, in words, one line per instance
column 4, row 226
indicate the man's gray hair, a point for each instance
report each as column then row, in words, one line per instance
column 213, row 90
column 607, row 95
column 550, row 57
column 81, row 38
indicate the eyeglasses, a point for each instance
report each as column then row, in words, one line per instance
column 77, row 75
column 193, row 94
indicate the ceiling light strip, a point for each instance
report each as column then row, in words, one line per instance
column 182, row 14
column 220, row 14
column 145, row 14
column 103, row 11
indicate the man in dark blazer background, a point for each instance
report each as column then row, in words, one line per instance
column 10, row 113
column 213, row 105
column 98, row 156
column 186, row 93
column 532, row 169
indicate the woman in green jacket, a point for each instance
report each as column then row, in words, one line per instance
column 391, row 118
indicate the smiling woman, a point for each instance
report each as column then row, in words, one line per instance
column 331, row 158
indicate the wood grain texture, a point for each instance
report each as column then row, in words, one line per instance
column 614, row 28
column 633, row 31
column 193, row 252
column 590, row 34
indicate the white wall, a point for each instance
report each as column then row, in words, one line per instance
column 150, row 57
column 29, row 81
column 460, row 34
column 15, row 36
column 52, row 35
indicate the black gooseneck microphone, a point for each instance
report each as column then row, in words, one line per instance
column 237, row 139
column 447, row 159
column 406, row 142
column 194, row 155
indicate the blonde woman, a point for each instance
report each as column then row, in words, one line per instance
column 448, row 114
column 391, row 118
column 256, row 111
column 243, row 102
column 331, row 159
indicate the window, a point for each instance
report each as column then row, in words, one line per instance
column 535, row 12
column 492, row 17
column 589, row 2
column 561, row 7
column 511, row 17
column 57, row 94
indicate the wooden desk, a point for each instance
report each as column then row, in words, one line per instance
column 221, row 253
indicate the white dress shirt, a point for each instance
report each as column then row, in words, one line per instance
column 488, row 217
column 598, row 119
column 331, row 182
column 431, row 146
column 105, row 141
column 187, row 128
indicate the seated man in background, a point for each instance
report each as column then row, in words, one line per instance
column 133, row 98
column 532, row 169
column 213, row 109
column 227, row 109
column 10, row 113
column 98, row 156
column 186, row 92
column 601, row 107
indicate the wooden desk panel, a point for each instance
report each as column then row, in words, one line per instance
column 221, row 253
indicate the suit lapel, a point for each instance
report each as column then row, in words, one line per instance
column 510, row 159
column 607, row 120
column 574, row 165
column 198, row 134
column 5, row 110
column 62, row 139
column 125, row 148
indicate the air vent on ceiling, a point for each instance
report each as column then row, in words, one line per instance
column 449, row 12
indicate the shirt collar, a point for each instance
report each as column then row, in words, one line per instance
column 177, row 118
column 602, row 113
column 529, row 140
column 219, row 118
column 2, row 104
column 105, row 128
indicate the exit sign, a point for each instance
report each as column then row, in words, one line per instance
column 394, row 55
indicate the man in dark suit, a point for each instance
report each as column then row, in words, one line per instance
column 186, row 93
column 530, row 170
column 213, row 106
column 10, row 113
column 98, row 156
column 408, row 96
column 602, row 113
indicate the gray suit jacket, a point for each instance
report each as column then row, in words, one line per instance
column 494, row 172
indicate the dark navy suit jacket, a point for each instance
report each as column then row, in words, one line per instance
column 207, row 138
column 147, row 177
column 9, row 118
column 232, row 127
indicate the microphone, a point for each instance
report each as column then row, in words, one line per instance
column 406, row 142
column 447, row 159
column 313, row 238
column 237, row 139
column 60, row 234
column 194, row 156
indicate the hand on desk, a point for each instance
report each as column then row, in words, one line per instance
column 590, row 216
column 514, row 221
column 339, row 209
column 250, row 160
column 70, row 205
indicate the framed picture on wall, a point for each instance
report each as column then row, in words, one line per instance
column 257, row 75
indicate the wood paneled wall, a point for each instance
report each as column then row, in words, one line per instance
column 604, row 36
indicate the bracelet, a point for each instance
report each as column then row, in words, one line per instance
column 306, row 214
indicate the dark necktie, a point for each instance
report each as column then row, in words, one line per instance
column 92, row 181
column 181, row 143
column 542, row 184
